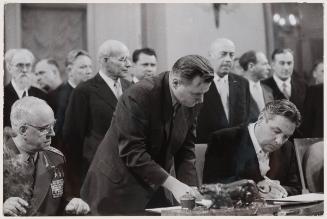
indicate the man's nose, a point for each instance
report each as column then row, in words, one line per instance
column 51, row 131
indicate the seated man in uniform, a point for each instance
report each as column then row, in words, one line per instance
column 39, row 168
column 259, row 151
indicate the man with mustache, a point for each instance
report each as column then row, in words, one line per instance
column 259, row 151
column 227, row 102
column 91, row 106
column 19, row 63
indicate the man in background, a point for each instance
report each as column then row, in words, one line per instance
column 227, row 103
column 256, row 68
column 19, row 63
column 285, row 84
column 91, row 106
column 47, row 75
column 144, row 64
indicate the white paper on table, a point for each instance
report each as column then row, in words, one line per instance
column 304, row 198
column 158, row 210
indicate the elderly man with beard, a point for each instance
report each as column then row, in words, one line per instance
column 34, row 179
column 19, row 63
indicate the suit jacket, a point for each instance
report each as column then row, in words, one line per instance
column 212, row 115
column 10, row 96
column 49, row 169
column 231, row 156
column 298, row 91
column 58, row 100
column 137, row 153
column 87, row 119
column 267, row 96
column 313, row 115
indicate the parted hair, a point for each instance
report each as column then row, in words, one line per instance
column 74, row 54
column 190, row 66
column 280, row 51
column 283, row 108
column 246, row 58
column 147, row 51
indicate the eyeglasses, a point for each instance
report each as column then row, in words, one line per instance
column 21, row 66
column 122, row 59
column 44, row 129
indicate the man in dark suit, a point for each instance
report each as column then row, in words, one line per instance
column 78, row 68
column 256, row 67
column 313, row 115
column 150, row 142
column 259, row 151
column 284, row 83
column 227, row 103
column 33, row 170
column 19, row 63
column 91, row 106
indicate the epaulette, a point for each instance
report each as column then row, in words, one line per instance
column 55, row 150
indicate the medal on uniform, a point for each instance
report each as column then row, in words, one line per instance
column 57, row 184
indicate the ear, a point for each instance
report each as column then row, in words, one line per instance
column 250, row 66
column 22, row 130
column 175, row 83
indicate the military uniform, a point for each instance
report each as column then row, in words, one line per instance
column 48, row 197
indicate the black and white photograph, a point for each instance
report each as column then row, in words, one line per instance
column 163, row 108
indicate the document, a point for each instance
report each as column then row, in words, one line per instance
column 304, row 198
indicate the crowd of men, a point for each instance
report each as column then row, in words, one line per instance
column 122, row 139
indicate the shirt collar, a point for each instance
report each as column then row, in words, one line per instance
column 252, row 83
column 18, row 91
column 135, row 80
column 279, row 82
column 108, row 80
column 218, row 78
column 71, row 84
column 254, row 139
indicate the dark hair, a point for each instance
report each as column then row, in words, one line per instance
column 147, row 51
column 246, row 58
column 72, row 56
column 280, row 51
column 190, row 66
column 283, row 108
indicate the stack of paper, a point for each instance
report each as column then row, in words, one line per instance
column 304, row 198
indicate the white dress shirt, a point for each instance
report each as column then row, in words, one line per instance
column 223, row 90
column 257, row 94
column 115, row 86
column 263, row 157
column 281, row 85
column 19, row 92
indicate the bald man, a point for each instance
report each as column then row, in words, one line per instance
column 227, row 103
column 91, row 106
column 19, row 63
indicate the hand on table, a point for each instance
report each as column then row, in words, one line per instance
column 77, row 207
column 271, row 189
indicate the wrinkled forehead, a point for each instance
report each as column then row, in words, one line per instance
column 22, row 57
column 40, row 116
column 222, row 46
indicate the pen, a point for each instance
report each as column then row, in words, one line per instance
column 277, row 185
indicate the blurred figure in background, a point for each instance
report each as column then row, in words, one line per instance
column 19, row 63
column 256, row 67
column 47, row 75
column 144, row 64
column 313, row 114
column 318, row 72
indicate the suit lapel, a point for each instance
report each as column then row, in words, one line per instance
column 43, row 177
column 233, row 98
column 124, row 84
column 267, row 94
column 217, row 108
column 104, row 91
column 167, row 107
